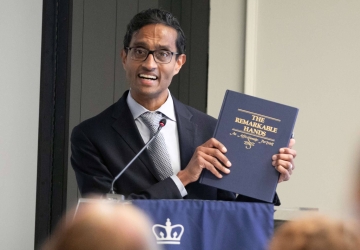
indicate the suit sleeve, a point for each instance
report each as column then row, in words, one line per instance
column 94, row 177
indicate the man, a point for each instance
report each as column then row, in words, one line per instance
column 154, row 47
column 107, row 226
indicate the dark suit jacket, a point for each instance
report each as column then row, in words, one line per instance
column 103, row 145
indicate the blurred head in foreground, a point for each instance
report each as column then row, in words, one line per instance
column 315, row 233
column 104, row 226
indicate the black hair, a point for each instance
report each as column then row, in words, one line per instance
column 155, row 16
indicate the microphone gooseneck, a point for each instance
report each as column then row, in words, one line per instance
column 162, row 123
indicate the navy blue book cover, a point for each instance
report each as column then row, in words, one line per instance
column 253, row 130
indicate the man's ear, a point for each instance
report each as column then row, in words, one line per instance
column 123, row 57
column 181, row 59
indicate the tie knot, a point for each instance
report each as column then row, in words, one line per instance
column 152, row 119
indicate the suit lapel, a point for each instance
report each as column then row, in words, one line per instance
column 186, row 131
column 125, row 126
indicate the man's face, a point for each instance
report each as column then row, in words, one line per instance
column 149, row 80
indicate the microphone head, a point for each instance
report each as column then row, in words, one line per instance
column 162, row 122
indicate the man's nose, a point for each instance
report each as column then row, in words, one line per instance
column 149, row 62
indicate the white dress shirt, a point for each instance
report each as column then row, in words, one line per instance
column 169, row 132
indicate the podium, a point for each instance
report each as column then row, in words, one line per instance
column 207, row 225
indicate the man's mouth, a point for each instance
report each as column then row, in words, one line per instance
column 148, row 77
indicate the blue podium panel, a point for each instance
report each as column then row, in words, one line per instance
column 209, row 225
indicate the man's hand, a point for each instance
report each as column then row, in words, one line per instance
column 209, row 155
column 284, row 161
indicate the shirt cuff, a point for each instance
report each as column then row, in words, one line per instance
column 179, row 185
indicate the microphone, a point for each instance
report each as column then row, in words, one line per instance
column 112, row 195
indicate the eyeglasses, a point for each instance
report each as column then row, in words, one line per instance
column 141, row 54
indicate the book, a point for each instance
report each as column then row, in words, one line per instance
column 253, row 130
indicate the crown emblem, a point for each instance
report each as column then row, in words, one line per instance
column 168, row 234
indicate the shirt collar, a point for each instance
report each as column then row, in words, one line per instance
column 167, row 108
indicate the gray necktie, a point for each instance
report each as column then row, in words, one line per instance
column 157, row 148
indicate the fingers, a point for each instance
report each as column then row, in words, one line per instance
column 284, row 162
column 285, row 173
column 284, row 177
column 213, row 152
column 213, row 143
column 283, row 166
column 209, row 155
column 288, row 151
column 211, row 162
column 287, row 161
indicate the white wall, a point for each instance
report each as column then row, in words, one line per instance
column 20, row 32
column 308, row 56
column 226, row 50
